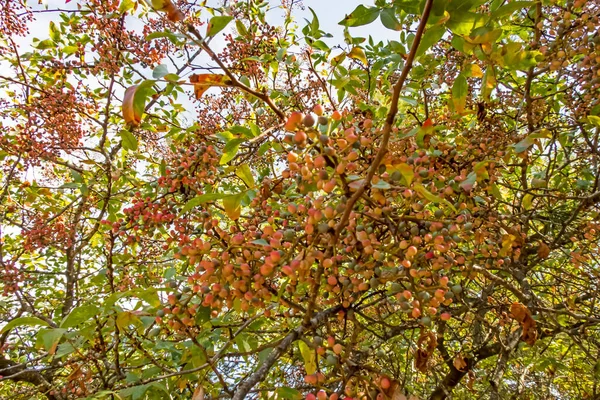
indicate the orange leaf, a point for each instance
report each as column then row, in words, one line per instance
column 459, row 363
column 543, row 250
column 198, row 393
column 522, row 315
column 129, row 114
column 174, row 14
column 202, row 82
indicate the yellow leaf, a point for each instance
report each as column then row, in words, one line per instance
column 527, row 201
column 338, row 59
column 507, row 242
column 476, row 71
column 358, row 54
column 232, row 206
column 202, row 82
column 129, row 114
column 310, row 363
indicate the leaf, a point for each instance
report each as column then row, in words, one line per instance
column 360, row 16
column 134, row 101
column 126, row 318
column 510, row 8
column 431, row 197
column 174, row 14
column 160, row 71
column 459, row 362
column 407, row 172
column 389, row 20
column 198, row 393
column 287, row 393
column 202, row 82
column 129, row 114
column 128, row 140
column 483, row 35
column 309, row 356
column 23, row 321
column 230, row 150
column 467, row 184
column 543, row 251
column 50, row 338
column 429, row 38
column 245, row 174
column 489, row 83
column 358, row 54
column 79, row 315
column 198, row 200
column 382, row 185
column 126, row 5
column 521, row 314
column 594, row 120
column 232, row 205
column 217, row 24
column 460, row 90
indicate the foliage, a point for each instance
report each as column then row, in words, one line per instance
column 290, row 215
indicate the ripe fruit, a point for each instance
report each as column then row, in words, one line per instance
column 293, row 121
column 385, row 383
column 336, row 116
column 318, row 109
column 300, row 137
column 338, row 348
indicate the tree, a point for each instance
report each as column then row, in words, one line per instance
column 283, row 214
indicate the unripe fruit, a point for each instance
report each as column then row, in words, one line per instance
column 322, row 120
column 309, row 120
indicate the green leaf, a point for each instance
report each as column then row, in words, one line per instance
column 68, row 50
column 488, row 83
column 126, row 5
column 128, row 140
column 198, row 200
column 245, row 174
column 45, row 44
column 309, row 356
column 286, row 393
column 594, row 120
column 429, row 38
column 160, row 71
column 432, row 197
column 79, row 315
column 260, row 242
column 50, row 338
column 510, row 8
column 230, row 150
column 460, row 89
column 382, row 185
column 360, row 16
column 389, row 20
column 217, row 24
column 23, row 321
column 143, row 91
column 407, row 172
column 463, row 22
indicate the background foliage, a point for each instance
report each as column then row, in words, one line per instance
column 198, row 204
